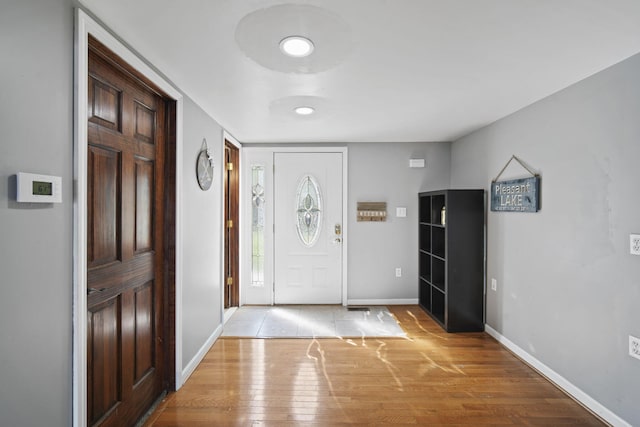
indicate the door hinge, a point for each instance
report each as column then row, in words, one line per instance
column 230, row 223
column 229, row 166
column 229, row 281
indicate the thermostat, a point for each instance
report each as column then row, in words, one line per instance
column 34, row 188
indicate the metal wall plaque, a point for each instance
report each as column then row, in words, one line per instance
column 516, row 195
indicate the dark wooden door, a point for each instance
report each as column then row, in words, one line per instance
column 231, row 235
column 126, row 143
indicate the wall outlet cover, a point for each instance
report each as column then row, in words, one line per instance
column 634, row 244
column 634, row 347
column 494, row 285
column 398, row 272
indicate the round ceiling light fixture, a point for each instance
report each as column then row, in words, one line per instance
column 304, row 110
column 296, row 46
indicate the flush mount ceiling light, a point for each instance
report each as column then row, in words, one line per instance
column 296, row 46
column 304, row 111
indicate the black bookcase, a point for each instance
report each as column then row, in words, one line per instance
column 451, row 257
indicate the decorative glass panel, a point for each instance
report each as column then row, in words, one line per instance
column 257, row 225
column 308, row 210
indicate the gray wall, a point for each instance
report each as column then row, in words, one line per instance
column 568, row 288
column 36, row 242
column 379, row 172
column 202, row 226
column 36, row 102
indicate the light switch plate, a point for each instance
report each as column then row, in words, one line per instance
column 416, row 163
column 401, row 212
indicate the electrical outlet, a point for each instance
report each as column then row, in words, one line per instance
column 634, row 347
column 494, row 285
column 398, row 272
column 634, row 244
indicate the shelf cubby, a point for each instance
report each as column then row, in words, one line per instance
column 425, row 266
column 425, row 237
column 438, row 242
column 424, row 216
column 438, row 273
column 437, row 203
column 438, row 305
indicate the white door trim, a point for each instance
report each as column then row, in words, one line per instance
column 86, row 25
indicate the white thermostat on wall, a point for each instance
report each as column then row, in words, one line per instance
column 35, row 188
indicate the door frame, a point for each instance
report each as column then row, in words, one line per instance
column 86, row 25
column 226, row 313
column 245, row 259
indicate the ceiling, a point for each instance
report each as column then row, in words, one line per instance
column 381, row 70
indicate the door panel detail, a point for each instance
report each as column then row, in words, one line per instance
column 103, row 196
column 145, row 123
column 319, row 279
column 144, row 172
column 143, row 342
column 105, row 104
column 104, row 354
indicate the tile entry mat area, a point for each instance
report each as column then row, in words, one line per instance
column 309, row 321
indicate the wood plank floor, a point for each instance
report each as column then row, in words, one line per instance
column 430, row 379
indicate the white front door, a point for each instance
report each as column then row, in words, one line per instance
column 308, row 228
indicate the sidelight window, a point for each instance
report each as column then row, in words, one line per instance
column 257, row 225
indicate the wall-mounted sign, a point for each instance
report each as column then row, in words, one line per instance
column 372, row 211
column 516, row 195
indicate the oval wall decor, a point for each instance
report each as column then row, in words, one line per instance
column 308, row 210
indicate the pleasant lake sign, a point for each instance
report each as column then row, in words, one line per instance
column 516, row 195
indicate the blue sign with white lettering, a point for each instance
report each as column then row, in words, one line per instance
column 516, row 195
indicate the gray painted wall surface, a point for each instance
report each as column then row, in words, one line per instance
column 36, row 103
column 36, row 121
column 568, row 288
column 202, row 226
column 380, row 172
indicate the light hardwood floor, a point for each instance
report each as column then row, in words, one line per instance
column 431, row 378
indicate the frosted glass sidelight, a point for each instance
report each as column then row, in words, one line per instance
column 308, row 210
column 257, row 225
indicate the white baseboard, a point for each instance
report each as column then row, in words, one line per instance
column 228, row 312
column 407, row 301
column 193, row 364
column 586, row 400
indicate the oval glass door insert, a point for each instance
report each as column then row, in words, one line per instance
column 308, row 210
